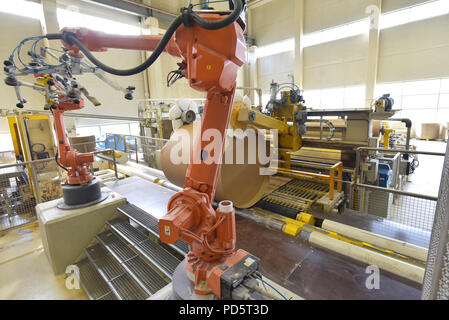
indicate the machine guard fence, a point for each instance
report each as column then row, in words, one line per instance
column 138, row 149
column 412, row 213
column 25, row 184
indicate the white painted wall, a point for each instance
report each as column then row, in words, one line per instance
column 12, row 34
column 324, row 14
column 336, row 64
column 413, row 51
column 417, row 50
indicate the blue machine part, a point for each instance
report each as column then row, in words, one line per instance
column 118, row 144
column 385, row 175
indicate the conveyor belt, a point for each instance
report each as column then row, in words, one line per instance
column 157, row 255
column 150, row 223
column 92, row 282
column 294, row 197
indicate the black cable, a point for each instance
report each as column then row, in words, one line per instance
column 223, row 23
column 174, row 76
column 187, row 17
column 58, row 163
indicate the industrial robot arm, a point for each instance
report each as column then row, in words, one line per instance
column 212, row 47
column 62, row 93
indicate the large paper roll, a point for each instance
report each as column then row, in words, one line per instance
column 242, row 184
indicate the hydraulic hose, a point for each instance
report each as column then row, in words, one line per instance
column 187, row 17
column 223, row 23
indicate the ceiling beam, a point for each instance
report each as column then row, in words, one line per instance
column 133, row 7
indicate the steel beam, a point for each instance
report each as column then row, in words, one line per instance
column 137, row 9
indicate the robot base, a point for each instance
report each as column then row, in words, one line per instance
column 80, row 196
column 183, row 288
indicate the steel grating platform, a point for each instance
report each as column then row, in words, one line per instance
column 126, row 289
column 150, row 223
column 93, row 283
column 148, row 278
column 120, row 282
column 116, row 247
column 153, row 252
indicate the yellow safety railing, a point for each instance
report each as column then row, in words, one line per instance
column 335, row 175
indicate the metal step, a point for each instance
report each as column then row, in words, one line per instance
column 152, row 251
column 93, row 283
column 147, row 277
column 150, row 223
column 120, row 282
column 116, row 247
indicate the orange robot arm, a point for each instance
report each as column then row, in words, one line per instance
column 212, row 59
column 75, row 162
column 99, row 41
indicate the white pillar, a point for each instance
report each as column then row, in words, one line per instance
column 154, row 73
column 374, row 11
column 299, row 48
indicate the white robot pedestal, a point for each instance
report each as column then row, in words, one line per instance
column 66, row 233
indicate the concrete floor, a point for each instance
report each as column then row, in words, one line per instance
column 25, row 273
column 426, row 179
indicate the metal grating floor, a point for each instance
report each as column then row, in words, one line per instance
column 147, row 276
column 120, row 282
column 127, row 231
column 150, row 223
column 108, row 267
column 152, row 251
column 127, row 289
column 141, row 217
column 159, row 256
column 94, row 285
column 116, row 247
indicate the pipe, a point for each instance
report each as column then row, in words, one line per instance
column 150, row 8
column 408, row 125
column 128, row 170
column 368, row 257
column 401, row 247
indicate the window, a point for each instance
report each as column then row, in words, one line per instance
column 134, row 129
column 352, row 97
column 336, row 33
column 416, row 13
column 89, row 131
column 421, row 101
column 6, row 142
column 276, row 48
column 22, row 8
column 72, row 18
